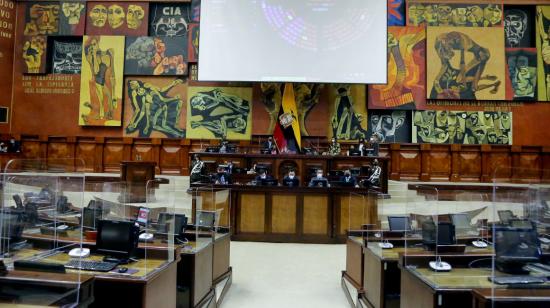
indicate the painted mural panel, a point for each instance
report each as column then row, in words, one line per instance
column 42, row 18
column 462, row 127
column 67, row 56
column 543, row 51
column 193, row 42
column 519, row 26
column 71, row 19
column 392, row 126
column 396, row 13
column 34, row 52
column 466, row 63
column 117, row 18
column 406, row 88
column 146, row 55
column 455, row 14
column 170, row 19
column 219, row 112
column 348, row 112
column 155, row 107
column 101, row 81
column 521, row 74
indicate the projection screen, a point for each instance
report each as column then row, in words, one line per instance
column 332, row 41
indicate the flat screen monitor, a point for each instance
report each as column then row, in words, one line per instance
column 446, row 234
column 90, row 217
column 291, row 182
column 399, row 223
column 117, row 239
column 207, row 219
column 319, row 183
column 212, row 149
column 354, row 153
column 522, row 223
column 179, row 221
column 337, row 172
column 429, row 233
column 461, row 221
column 321, row 41
column 505, row 216
column 514, row 247
column 268, row 182
column 12, row 226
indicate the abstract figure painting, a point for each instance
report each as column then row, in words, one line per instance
column 155, row 107
column 67, row 56
column 392, row 126
column 518, row 26
column 34, row 54
column 147, row 55
column 465, row 63
column 195, row 10
column 522, row 74
column 219, row 112
column 101, row 81
column 543, row 51
column 42, row 18
column 396, row 12
column 71, row 19
column 170, row 19
column 348, row 112
column 406, row 88
column 458, row 15
column 193, row 42
column 117, row 18
column 462, row 127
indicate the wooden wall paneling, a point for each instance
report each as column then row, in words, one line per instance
column 526, row 164
column 410, row 162
column 395, row 166
column 113, row 154
column 85, row 150
column 440, row 160
column 470, row 163
column 186, row 147
column 61, row 153
column 156, row 153
column 315, row 219
column 497, row 163
column 99, row 148
column 170, row 157
column 142, row 150
column 455, row 162
column 545, row 164
column 425, row 170
column 253, row 209
column 284, row 210
column 353, row 212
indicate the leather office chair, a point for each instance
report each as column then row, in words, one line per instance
column 18, row 202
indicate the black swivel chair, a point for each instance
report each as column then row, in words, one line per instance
column 18, row 202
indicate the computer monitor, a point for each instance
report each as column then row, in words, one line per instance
column 355, row 171
column 337, row 172
column 319, row 183
column 291, row 182
column 207, row 219
column 90, row 217
column 522, row 223
column 62, row 204
column 461, row 221
column 429, row 233
column 505, row 216
column 514, row 247
column 354, row 153
column 12, row 225
column 446, row 234
column 212, row 149
column 179, row 221
column 117, row 239
column 399, row 223
column 268, row 182
column 143, row 216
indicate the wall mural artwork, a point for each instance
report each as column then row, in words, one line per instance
column 462, row 127
column 406, row 88
column 392, row 126
column 348, row 112
column 458, row 15
column 155, row 107
column 146, row 55
column 71, row 19
column 67, row 56
column 519, row 26
column 101, row 81
column 195, row 10
column 219, row 112
column 34, row 54
column 396, row 12
column 42, row 18
column 193, row 42
column 543, row 51
column 521, row 74
column 117, row 18
column 466, row 63
column 169, row 19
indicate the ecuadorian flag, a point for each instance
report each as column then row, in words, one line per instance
column 290, row 111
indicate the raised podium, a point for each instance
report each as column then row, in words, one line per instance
column 136, row 175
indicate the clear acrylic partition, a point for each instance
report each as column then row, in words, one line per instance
column 520, row 225
column 40, row 223
column 47, row 165
column 205, row 217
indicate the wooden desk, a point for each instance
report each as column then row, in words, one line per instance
column 299, row 214
column 46, row 289
column 508, row 298
column 278, row 164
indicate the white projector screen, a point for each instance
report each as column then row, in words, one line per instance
column 329, row 41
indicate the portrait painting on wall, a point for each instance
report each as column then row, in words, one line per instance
column 71, row 18
column 406, row 87
column 396, row 12
column 193, row 42
column 34, row 52
column 454, row 14
column 101, row 81
column 466, row 63
column 117, row 18
column 41, row 18
column 195, row 10
column 521, row 74
column 147, row 55
column 347, row 111
column 519, row 24
column 219, row 112
column 169, row 19
column 155, row 107
column 462, row 127
column 390, row 126
column 67, row 56
column 543, row 52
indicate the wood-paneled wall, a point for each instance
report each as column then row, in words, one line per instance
column 413, row 162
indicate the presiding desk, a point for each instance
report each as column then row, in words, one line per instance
column 283, row 214
column 303, row 164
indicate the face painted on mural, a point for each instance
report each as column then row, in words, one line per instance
column 98, row 14
column 115, row 16
column 515, row 25
column 43, row 19
column 135, row 16
column 72, row 10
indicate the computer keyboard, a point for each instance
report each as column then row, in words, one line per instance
column 86, row 265
column 517, row 279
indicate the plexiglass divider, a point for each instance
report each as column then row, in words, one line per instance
column 520, row 228
column 46, row 165
column 39, row 224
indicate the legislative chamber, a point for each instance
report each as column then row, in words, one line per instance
column 275, row 153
